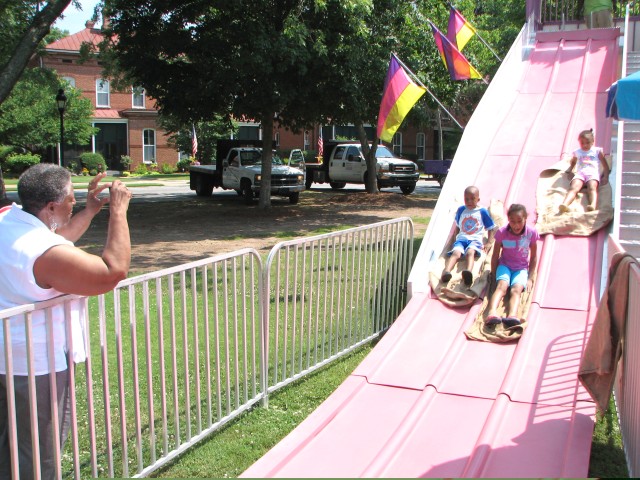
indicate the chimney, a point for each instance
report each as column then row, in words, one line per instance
column 106, row 20
column 89, row 24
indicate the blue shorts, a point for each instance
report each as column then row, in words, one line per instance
column 463, row 245
column 512, row 277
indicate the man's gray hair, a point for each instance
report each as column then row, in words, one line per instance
column 41, row 184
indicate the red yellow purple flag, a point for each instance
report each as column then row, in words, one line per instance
column 459, row 31
column 456, row 63
column 398, row 97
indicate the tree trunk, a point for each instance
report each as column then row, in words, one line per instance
column 267, row 144
column 23, row 51
column 371, row 185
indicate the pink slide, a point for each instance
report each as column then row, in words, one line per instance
column 427, row 402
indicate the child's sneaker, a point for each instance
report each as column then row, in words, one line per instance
column 509, row 322
column 446, row 276
column 467, row 277
column 563, row 208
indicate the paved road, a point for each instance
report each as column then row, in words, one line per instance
column 179, row 190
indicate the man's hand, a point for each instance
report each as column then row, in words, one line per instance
column 94, row 202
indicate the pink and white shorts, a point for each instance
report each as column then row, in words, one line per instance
column 586, row 175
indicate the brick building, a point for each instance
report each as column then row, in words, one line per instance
column 127, row 121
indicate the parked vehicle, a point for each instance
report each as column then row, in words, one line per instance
column 343, row 162
column 239, row 167
column 437, row 169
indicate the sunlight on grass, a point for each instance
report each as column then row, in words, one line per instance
column 242, row 442
column 607, row 453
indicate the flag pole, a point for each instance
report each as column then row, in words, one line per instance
column 488, row 46
column 428, row 91
column 475, row 30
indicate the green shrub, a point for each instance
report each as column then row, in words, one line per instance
column 183, row 164
column 167, row 168
column 5, row 151
column 93, row 161
column 141, row 169
column 125, row 161
column 19, row 162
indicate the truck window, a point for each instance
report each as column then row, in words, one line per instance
column 383, row 152
column 353, row 154
column 251, row 157
column 338, row 153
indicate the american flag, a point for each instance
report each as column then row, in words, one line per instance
column 320, row 144
column 194, row 141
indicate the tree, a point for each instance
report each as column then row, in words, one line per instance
column 24, row 26
column 29, row 117
column 251, row 59
column 207, row 133
column 297, row 61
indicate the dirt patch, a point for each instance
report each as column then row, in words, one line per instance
column 172, row 232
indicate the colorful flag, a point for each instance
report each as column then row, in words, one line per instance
column 398, row 97
column 320, row 144
column 459, row 31
column 194, row 141
column 457, row 64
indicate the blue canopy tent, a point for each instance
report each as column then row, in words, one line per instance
column 623, row 100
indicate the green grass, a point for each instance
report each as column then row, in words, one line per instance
column 236, row 447
column 291, row 234
column 80, row 182
column 300, row 336
column 607, row 454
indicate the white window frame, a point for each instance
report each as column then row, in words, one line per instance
column 137, row 92
column 305, row 141
column 420, row 145
column 71, row 81
column 397, row 143
column 100, row 90
column 145, row 146
column 276, row 138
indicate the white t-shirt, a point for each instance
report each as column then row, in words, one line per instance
column 23, row 238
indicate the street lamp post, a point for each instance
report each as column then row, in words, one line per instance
column 61, row 101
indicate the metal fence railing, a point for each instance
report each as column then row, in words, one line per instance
column 562, row 11
column 330, row 293
column 171, row 356
column 174, row 355
column 627, row 385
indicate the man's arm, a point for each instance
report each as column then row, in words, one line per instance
column 86, row 274
column 80, row 222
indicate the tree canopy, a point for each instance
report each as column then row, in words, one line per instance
column 297, row 61
column 24, row 24
column 29, row 116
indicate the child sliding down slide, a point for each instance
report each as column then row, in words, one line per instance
column 514, row 261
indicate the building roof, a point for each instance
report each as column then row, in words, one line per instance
column 106, row 113
column 72, row 43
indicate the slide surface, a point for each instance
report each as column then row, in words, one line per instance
column 427, row 402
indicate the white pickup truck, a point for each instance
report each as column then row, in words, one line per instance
column 239, row 168
column 343, row 162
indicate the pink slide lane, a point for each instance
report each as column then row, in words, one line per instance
column 427, row 402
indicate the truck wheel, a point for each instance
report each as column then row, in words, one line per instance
column 337, row 185
column 247, row 193
column 239, row 192
column 441, row 179
column 407, row 189
column 294, row 197
column 204, row 188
